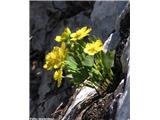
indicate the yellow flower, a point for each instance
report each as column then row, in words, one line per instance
column 65, row 35
column 58, row 77
column 81, row 33
column 94, row 47
column 58, row 38
column 56, row 57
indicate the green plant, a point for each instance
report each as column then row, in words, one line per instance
column 81, row 60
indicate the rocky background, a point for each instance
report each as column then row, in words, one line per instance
column 48, row 19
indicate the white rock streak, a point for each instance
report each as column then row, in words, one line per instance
column 106, row 43
column 81, row 96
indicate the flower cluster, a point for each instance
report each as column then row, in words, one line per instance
column 55, row 60
column 56, row 57
column 80, row 60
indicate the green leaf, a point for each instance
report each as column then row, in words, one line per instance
column 88, row 61
column 97, row 76
column 78, row 78
column 107, row 81
column 108, row 58
column 95, row 71
column 71, row 63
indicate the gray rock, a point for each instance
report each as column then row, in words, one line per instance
column 104, row 16
column 48, row 99
column 38, row 21
column 120, row 107
column 61, row 5
column 126, row 56
column 123, row 104
column 123, row 110
column 44, row 86
column 106, row 46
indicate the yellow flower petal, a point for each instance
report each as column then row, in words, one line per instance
column 66, row 33
column 73, row 35
column 63, row 46
column 58, row 77
column 88, row 30
column 67, row 30
column 45, row 66
column 82, row 29
column 94, row 47
column 80, row 34
column 58, row 38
